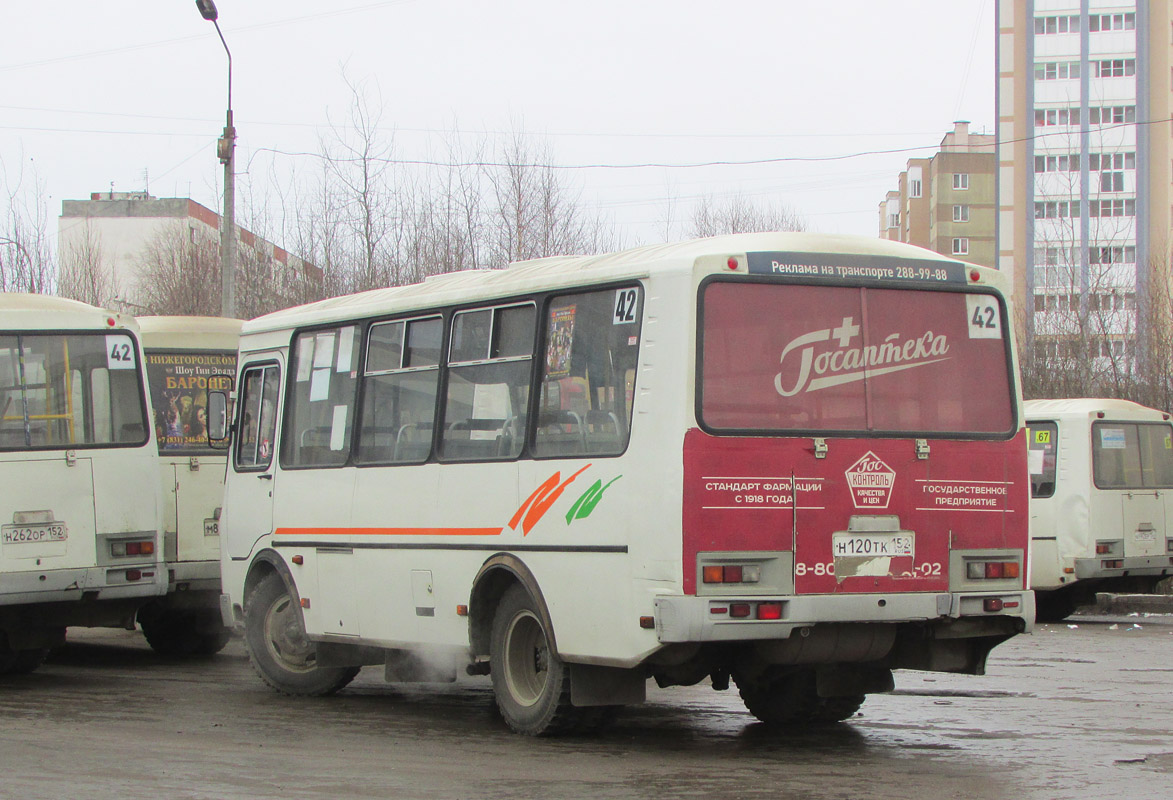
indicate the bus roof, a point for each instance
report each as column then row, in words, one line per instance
column 1084, row 407
column 190, row 333
column 47, row 312
column 556, row 272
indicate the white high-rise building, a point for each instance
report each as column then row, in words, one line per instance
column 1084, row 169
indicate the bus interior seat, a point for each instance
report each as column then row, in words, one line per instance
column 413, row 442
column 561, row 432
column 604, row 431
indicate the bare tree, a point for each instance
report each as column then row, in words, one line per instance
column 737, row 214
column 1154, row 373
column 534, row 214
column 26, row 258
column 358, row 171
column 85, row 274
column 179, row 273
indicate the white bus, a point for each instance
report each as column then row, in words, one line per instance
column 185, row 357
column 1101, row 506
column 79, row 536
column 793, row 461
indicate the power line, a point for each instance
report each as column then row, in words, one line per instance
column 681, row 165
column 461, row 131
column 420, row 162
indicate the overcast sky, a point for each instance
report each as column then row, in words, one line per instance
column 132, row 93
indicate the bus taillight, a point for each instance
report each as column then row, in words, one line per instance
column 992, row 570
column 124, row 547
column 769, row 611
column 731, row 573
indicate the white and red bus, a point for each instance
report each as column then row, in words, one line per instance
column 185, row 357
column 79, row 524
column 790, row 460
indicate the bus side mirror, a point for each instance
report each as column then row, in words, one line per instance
column 218, row 427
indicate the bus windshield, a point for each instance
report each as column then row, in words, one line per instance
column 69, row 390
column 785, row 357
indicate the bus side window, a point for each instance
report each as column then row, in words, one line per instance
column 489, row 360
column 401, row 377
column 1043, row 445
column 588, row 375
column 320, row 417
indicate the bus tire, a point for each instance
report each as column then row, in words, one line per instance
column 793, row 699
column 277, row 645
column 186, row 634
column 1053, row 606
column 530, row 682
column 21, row 662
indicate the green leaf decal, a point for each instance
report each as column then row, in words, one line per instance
column 584, row 505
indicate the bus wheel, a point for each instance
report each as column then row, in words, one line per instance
column 277, row 645
column 531, row 684
column 793, row 699
column 186, row 634
column 21, row 662
column 1053, row 606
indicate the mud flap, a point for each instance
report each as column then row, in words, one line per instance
column 591, row 685
column 849, row 680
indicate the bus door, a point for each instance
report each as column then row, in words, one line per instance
column 1137, row 458
column 250, row 492
column 863, row 529
column 1144, row 523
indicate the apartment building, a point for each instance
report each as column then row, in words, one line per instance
column 1084, row 169
column 104, row 244
column 947, row 202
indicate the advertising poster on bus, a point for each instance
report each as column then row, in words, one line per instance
column 179, row 383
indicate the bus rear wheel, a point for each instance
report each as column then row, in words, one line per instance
column 793, row 699
column 278, row 648
column 530, row 682
column 1054, row 606
column 186, row 634
column 21, row 662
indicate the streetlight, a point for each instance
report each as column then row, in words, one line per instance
column 225, row 148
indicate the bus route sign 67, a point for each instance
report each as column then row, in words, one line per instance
column 28, row 534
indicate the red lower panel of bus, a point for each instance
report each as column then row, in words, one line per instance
column 869, row 516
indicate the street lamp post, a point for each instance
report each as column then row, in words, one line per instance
column 225, row 149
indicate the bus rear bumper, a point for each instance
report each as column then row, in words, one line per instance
column 1109, row 566
column 86, row 583
column 707, row 619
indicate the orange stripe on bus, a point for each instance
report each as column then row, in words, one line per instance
column 387, row 532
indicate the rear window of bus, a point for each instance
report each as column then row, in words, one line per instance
column 1128, row 455
column 787, row 358
column 179, row 381
column 70, row 390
